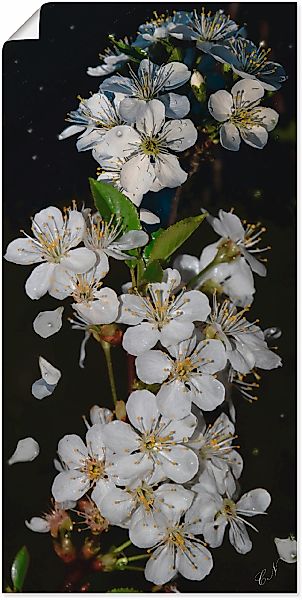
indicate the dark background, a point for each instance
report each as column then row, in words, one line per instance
column 41, row 81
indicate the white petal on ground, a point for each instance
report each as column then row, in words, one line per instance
column 220, row 105
column 287, row 549
column 142, row 410
column 27, row 450
column 49, row 373
column 229, row 137
column 48, row 322
column 153, row 366
column 22, row 251
column 39, row 281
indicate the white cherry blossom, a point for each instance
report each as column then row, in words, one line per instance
column 187, row 375
column 151, row 444
column 246, row 236
column 217, row 456
column 93, row 119
column 234, row 279
column 84, row 467
column 244, row 342
column 175, row 548
column 55, row 237
column 52, row 520
column 241, row 116
column 151, row 81
column 112, row 60
column 206, row 29
column 107, row 239
column 149, row 149
column 161, row 315
column 218, row 512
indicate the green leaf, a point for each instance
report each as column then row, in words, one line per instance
column 153, row 273
column 176, row 55
column 19, row 568
column 154, row 235
column 124, row 591
column 169, row 240
column 110, row 201
column 135, row 53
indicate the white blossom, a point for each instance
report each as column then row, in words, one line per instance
column 217, row 456
column 217, row 512
column 112, row 60
column 48, row 322
column 175, row 548
column 55, row 237
column 151, row 444
column 84, row 467
column 241, row 116
column 93, row 119
column 160, row 315
column 187, row 375
column 234, row 279
column 27, row 450
column 51, row 521
column 151, row 81
column 246, row 236
column 149, row 149
column 206, row 29
column 245, row 343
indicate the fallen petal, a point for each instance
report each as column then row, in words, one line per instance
column 48, row 322
column 49, row 373
column 40, row 389
column 26, row 451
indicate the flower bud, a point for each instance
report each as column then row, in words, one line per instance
column 104, row 562
column 65, row 549
column 197, row 79
column 198, row 86
column 120, row 410
column 111, row 334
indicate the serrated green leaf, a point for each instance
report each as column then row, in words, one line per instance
column 110, row 201
column 153, row 273
column 135, row 53
column 19, row 568
column 124, row 591
column 149, row 247
column 172, row 238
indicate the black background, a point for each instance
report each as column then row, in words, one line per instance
column 41, row 81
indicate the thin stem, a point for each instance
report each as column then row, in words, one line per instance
column 107, row 351
column 130, row 568
column 137, row 557
column 122, row 547
column 193, row 283
column 133, row 280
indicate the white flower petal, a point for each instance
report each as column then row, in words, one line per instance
column 212, row 356
column 180, row 134
column 247, row 90
column 140, row 338
column 239, row 537
column 176, row 74
column 269, row 117
column 213, row 532
column 151, row 120
column 142, row 410
column 160, row 567
column 116, row 506
column 79, row 260
column 229, row 137
column 146, row 216
column 75, row 228
column 153, row 366
column 23, row 251
column 211, row 391
column 168, row 171
column 195, row 563
column 27, row 450
column 72, row 452
column 187, row 265
column 194, row 306
column 40, row 389
column 48, row 221
column 255, row 264
column 48, row 322
column 120, row 437
column 38, row 524
column 100, row 415
column 130, row 467
column 120, row 141
column 175, row 331
column 132, row 239
column 94, row 441
column 102, row 311
column 71, row 130
column 70, row 485
column 254, row 502
column 220, row 105
column 287, row 549
column 179, row 463
column 172, row 497
column 145, row 533
column 174, row 400
column 137, row 174
column 39, row 281
column 132, row 309
column 177, row 106
column 255, row 136
column 49, row 373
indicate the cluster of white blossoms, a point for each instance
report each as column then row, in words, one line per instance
column 165, row 475
column 163, row 465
